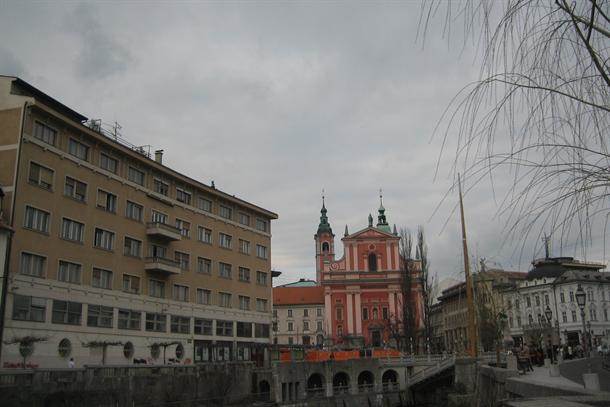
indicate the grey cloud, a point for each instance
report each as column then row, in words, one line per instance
column 10, row 64
column 100, row 54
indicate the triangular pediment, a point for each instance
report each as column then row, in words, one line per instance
column 370, row 233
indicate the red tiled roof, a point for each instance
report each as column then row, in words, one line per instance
column 298, row 295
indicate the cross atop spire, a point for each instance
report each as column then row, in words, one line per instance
column 381, row 199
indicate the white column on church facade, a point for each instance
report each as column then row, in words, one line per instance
column 358, row 307
column 328, row 314
column 349, row 313
column 391, row 303
column 388, row 258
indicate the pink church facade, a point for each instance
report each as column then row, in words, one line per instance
column 363, row 296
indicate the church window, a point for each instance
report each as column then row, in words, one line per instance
column 372, row 262
column 325, row 247
column 339, row 314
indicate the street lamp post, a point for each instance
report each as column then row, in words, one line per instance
column 581, row 298
column 549, row 316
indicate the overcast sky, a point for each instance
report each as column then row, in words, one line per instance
column 274, row 102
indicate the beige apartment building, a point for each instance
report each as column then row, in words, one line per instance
column 298, row 314
column 116, row 256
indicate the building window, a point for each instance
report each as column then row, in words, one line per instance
column 32, row 265
column 289, row 313
column 69, row 272
column 325, row 247
column 157, row 251
column 225, row 240
column 75, row 189
column 132, row 247
column 225, row 212
column 156, row 322
column 546, row 299
column 244, row 274
column 244, row 219
column 204, row 296
column 274, row 327
column 36, row 219
column 72, row 230
column 102, row 278
column 204, row 265
column 305, row 325
column 305, row 313
column 64, row 348
column 106, row 201
column 261, row 330
column 224, row 328
column 78, row 149
column 537, row 298
column 290, row 340
column 156, row 288
column 183, row 196
column 108, row 163
column 517, row 304
column 365, row 314
column 319, row 326
column 203, row 326
column 26, row 308
column 45, row 133
column 41, row 176
column 319, row 312
column 372, row 262
column 224, row 270
column 339, row 314
column 261, row 251
column 244, row 329
column 67, row 312
column 571, row 296
column 131, row 284
column 562, row 297
column 204, row 204
column 290, row 326
column 605, row 314
column 244, row 303
column 262, row 225
column 184, row 227
column 261, row 278
column 136, row 176
column 261, row 305
column 519, row 321
column 204, row 235
column 128, row 350
column 158, row 217
column 244, row 246
column 180, row 293
column 160, row 187
column 574, row 318
column 593, row 314
column 224, row 300
column 590, row 296
column 528, row 302
column 180, row 325
column 103, row 239
column 134, row 211
column 129, row 319
column 275, row 313
column 100, row 316
column 183, row 259
column 564, row 317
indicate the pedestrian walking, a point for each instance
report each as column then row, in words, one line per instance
column 71, row 363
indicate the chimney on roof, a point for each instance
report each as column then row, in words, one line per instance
column 159, row 156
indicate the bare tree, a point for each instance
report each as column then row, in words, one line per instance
column 26, row 345
column 103, row 345
column 428, row 283
column 539, row 112
column 408, row 269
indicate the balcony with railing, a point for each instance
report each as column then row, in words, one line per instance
column 163, row 231
column 162, row 265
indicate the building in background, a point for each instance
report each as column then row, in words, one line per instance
column 364, row 290
column 298, row 314
column 116, row 255
column 553, row 283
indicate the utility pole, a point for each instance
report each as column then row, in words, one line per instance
column 472, row 333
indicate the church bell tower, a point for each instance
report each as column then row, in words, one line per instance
column 325, row 243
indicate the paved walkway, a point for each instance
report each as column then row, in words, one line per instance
column 573, row 370
column 541, row 376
